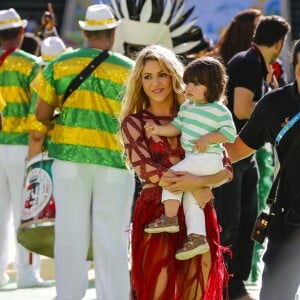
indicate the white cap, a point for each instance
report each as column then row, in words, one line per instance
column 51, row 48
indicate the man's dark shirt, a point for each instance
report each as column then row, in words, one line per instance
column 246, row 69
column 271, row 113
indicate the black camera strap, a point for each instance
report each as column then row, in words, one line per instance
column 272, row 197
column 77, row 81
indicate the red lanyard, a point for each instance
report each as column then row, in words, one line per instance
column 5, row 54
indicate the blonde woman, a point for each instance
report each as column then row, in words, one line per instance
column 154, row 93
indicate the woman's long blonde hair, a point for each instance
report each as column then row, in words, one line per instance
column 135, row 100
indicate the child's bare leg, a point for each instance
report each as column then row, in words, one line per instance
column 171, row 207
column 203, row 196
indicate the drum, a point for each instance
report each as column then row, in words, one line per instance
column 36, row 231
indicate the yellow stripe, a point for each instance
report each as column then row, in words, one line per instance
column 14, row 94
column 14, row 124
column 2, row 103
column 49, row 57
column 85, row 137
column 18, row 64
column 34, row 124
column 15, row 20
column 93, row 101
column 100, row 22
column 45, row 90
column 105, row 71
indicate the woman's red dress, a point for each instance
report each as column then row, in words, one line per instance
column 153, row 255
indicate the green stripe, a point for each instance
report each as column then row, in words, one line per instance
column 15, row 110
column 105, row 88
column 198, row 124
column 75, row 117
column 13, row 79
column 116, row 58
column 14, row 138
column 33, row 102
column 85, row 154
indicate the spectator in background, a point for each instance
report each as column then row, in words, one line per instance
column 48, row 23
column 237, row 201
column 237, row 36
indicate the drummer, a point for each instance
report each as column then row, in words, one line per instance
column 51, row 48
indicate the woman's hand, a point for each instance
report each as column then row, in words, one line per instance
column 179, row 182
column 163, row 182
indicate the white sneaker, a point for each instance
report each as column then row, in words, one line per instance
column 4, row 279
column 33, row 282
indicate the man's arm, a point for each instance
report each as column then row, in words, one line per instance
column 35, row 145
column 44, row 113
column 238, row 150
column 243, row 103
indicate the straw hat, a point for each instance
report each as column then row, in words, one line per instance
column 51, row 48
column 98, row 17
column 9, row 18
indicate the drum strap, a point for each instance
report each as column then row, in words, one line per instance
column 77, row 81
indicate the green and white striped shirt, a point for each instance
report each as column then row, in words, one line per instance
column 196, row 119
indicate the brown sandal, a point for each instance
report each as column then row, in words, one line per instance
column 163, row 224
column 194, row 245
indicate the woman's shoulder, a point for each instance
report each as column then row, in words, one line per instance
column 137, row 118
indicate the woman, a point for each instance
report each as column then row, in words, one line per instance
column 154, row 93
column 238, row 35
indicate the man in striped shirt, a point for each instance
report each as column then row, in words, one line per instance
column 92, row 188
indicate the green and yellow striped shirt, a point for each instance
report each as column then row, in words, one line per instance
column 16, row 73
column 86, row 130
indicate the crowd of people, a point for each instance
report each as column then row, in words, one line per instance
column 163, row 141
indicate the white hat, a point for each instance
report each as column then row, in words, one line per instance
column 98, row 17
column 51, row 48
column 9, row 18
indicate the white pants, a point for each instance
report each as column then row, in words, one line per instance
column 12, row 170
column 197, row 164
column 98, row 198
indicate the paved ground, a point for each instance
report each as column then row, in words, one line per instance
column 10, row 292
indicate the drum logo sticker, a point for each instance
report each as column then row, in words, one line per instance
column 37, row 193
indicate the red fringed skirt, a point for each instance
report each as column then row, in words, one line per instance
column 154, row 267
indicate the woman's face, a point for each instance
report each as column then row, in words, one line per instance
column 156, row 83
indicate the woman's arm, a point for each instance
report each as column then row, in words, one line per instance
column 184, row 181
column 137, row 151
